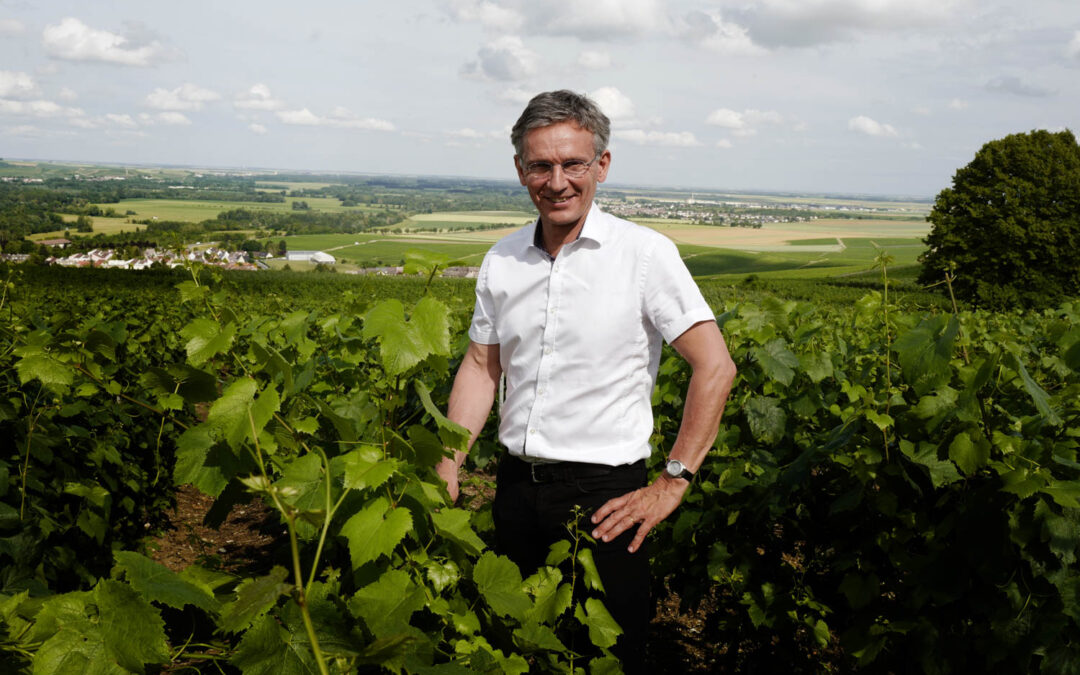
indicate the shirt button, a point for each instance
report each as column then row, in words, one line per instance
column 532, row 431
column 547, row 350
column 541, row 392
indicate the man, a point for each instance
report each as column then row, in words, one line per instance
column 573, row 310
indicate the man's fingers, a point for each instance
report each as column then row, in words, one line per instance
column 609, row 506
column 642, row 530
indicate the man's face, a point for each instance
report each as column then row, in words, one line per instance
column 562, row 201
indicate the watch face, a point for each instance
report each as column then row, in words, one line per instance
column 675, row 468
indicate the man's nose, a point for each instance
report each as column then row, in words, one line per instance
column 558, row 178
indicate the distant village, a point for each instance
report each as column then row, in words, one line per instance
column 213, row 256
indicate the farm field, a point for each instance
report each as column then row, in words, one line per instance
column 815, row 249
column 193, row 211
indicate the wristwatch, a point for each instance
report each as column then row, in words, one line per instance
column 676, row 469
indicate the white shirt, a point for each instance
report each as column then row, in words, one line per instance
column 580, row 337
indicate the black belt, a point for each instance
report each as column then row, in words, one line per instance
column 554, row 472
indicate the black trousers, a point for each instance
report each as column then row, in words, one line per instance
column 531, row 510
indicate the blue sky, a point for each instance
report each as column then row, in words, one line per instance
column 839, row 96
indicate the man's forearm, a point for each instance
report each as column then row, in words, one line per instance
column 471, row 399
column 706, row 397
column 713, row 373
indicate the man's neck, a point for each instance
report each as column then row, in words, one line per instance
column 554, row 237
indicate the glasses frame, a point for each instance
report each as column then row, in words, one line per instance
column 529, row 169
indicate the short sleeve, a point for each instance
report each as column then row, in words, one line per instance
column 482, row 329
column 671, row 299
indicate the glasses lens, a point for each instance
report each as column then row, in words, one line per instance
column 575, row 168
column 538, row 170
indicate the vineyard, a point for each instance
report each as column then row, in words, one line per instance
column 895, row 487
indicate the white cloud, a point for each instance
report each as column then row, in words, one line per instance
column 73, row 40
column 681, row 139
column 596, row 19
column 17, row 85
column 921, row 110
column 185, row 97
column 958, row 104
column 38, row 108
column 121, row 120
column 11, row 27
column 173, row 118
column 347, row 119
column 303, row 117
column 865, row 125
column 515, row 95
column 339, row 117
column 594, row 60
column 506, row 60
column 469, row 134
column 723, row 143
column 169, row 117
column 615, row 104
column 67, row 94
column 745, row 123
column 802, row 23
column 258, row 98
column 708, row 29
column 1073, row 50
column 257, row 128
column 727, row 118
column 487, row 14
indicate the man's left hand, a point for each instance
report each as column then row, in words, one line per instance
column 648, row 506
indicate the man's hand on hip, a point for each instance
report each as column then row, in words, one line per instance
column 648, row 506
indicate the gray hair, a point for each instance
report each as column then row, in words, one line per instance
column 552, row 107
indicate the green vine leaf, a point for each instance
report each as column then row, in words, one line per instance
column 375, row 531
column 158, row 583
column 254, row 597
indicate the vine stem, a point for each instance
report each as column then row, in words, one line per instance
column 883, row 259
column 26, row 461
column 294, row 547
column 330, row 511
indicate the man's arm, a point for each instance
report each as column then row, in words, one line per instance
column 704, row 349
column 470, row 403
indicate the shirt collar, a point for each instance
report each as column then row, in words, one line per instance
column 596, row 228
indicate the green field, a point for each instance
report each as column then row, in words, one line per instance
column 194, row 211
column 457, row 220
column 277, row 186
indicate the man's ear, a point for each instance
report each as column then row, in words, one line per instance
column 604, row 163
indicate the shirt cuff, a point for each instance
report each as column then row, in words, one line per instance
column 678, row 326
column 483, row 337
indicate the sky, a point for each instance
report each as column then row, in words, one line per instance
column 874, row 97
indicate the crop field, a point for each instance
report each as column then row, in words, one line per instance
column 276, row 186
column 813, row 249
column 101, row 224
column 194, row 211
column 455, row 220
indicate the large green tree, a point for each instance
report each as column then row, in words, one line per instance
column 1009, row 227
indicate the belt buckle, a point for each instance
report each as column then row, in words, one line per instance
column 532, row 472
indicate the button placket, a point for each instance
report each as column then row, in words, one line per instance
column 547, row 341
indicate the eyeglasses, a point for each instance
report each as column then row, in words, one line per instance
column 571, row 168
